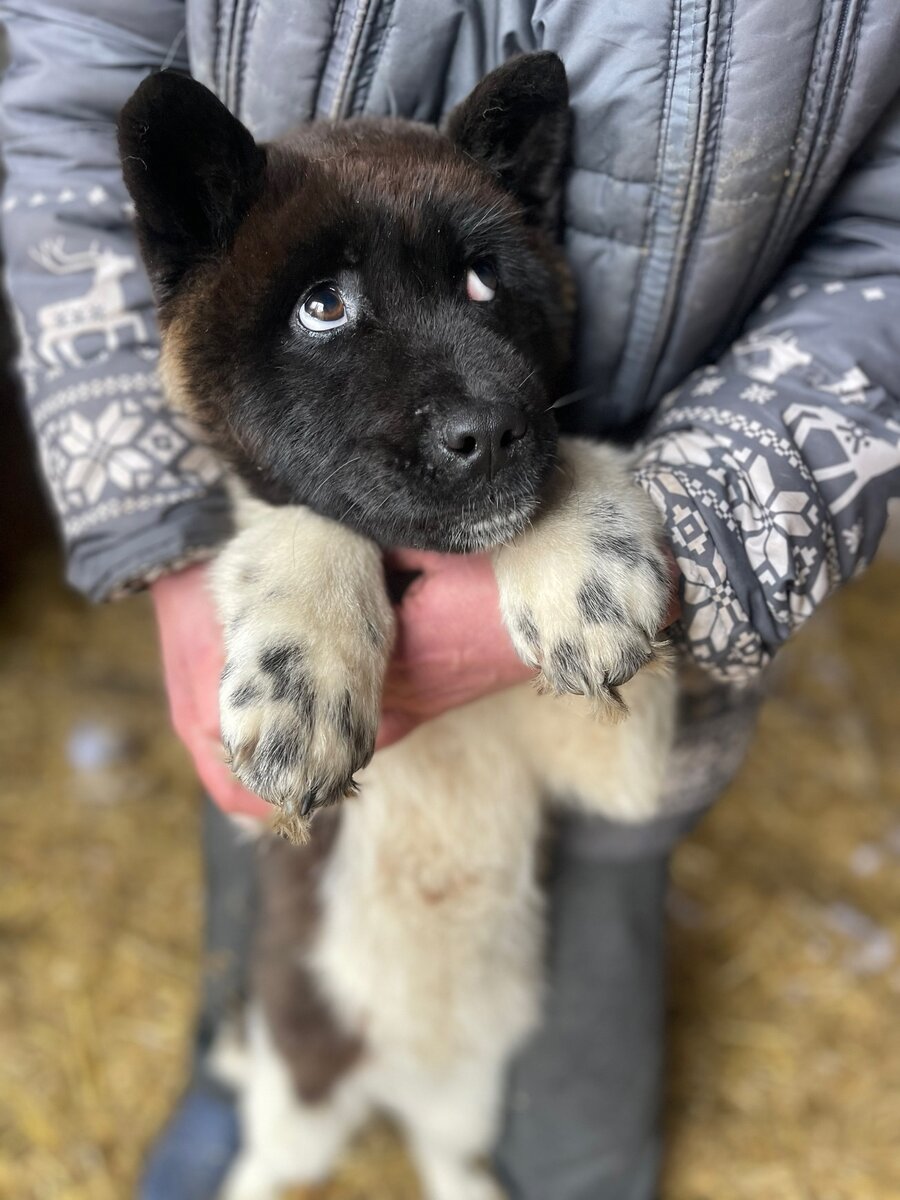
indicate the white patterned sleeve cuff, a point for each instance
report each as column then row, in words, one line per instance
column 774, row 468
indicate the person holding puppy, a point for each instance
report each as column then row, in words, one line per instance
column 731, row 223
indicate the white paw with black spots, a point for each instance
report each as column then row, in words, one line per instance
column 271, row 716
column 306, row 649
column 584, row 592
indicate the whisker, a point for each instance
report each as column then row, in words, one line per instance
column 497, row 207
column 570, row 398
column 339, row 467
column 354, row 502
column 531, row 375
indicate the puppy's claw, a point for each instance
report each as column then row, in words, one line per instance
column 237, row 756
column 614, row 707
column 309, row 802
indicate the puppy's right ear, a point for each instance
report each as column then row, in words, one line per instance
column 192, row 169
column 516, row 123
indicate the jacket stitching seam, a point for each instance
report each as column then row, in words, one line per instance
column 249, row 22
column 343, row 92
column 326, row 57
column 656, row 188
column 779, row 213
column 797, row 215
column 700, row 19
column 851, row 66
column 372, row 55
column 237, row 18
column 704, row 203
column 812, row 86
column 717, row 153
column 694, row 201
column 219, row 47
column 248, row 15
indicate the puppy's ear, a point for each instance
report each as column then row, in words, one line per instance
column 516, row 122
column 192, row 169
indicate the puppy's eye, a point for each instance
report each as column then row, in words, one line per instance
column 481, row 281
column 322, row 309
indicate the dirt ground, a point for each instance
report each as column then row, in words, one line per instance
column 785, row 919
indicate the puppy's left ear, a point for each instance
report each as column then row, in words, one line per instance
column 517, row 122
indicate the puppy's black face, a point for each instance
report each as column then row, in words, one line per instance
column 370, row 318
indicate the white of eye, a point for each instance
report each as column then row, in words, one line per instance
column 481, row 282
column 323, row 309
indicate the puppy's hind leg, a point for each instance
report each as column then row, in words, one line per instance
column 450, row 1123
column 446, row 1177
column 286, row 1142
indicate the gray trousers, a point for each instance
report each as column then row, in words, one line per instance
column 582, row 1119
column 583, row 1107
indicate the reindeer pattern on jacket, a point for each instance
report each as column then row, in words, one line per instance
column 100, row 311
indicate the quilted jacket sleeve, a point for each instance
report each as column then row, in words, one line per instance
column 774, row 467
column 133, row 489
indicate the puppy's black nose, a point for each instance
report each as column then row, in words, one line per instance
column 482, row 439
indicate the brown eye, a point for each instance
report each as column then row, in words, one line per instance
column 481, row 281
column 322, row 309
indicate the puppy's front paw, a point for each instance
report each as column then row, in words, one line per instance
column 297, row 724
column 584, row 592
column 300, row 695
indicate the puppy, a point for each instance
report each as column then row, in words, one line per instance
column 371, row 322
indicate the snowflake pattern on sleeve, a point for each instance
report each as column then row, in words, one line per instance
column 112, row 451
column 773, row 474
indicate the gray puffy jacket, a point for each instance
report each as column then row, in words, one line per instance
column 733, row 219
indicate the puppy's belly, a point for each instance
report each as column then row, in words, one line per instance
column 431, row 911
column 430, row 943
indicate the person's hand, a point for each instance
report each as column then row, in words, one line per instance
column 191, row 641
column 451, row 646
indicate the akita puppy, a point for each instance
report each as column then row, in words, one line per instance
column 371, row 321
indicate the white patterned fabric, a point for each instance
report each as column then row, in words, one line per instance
column 774, row 493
